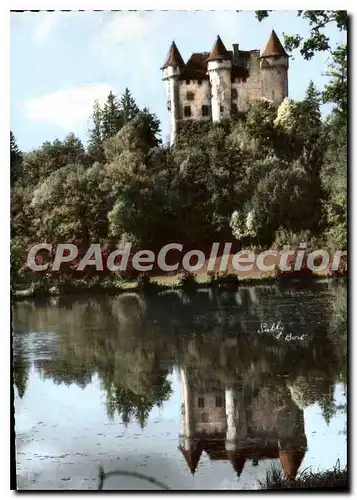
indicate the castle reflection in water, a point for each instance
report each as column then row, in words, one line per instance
column 240, row 425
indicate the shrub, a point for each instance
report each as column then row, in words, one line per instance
column 188, row 281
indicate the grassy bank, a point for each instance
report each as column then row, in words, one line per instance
column 337, row 478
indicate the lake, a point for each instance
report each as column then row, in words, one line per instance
column 203, row 390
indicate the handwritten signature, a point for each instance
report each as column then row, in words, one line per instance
column 277, row 330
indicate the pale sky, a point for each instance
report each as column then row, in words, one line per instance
column 61, row 62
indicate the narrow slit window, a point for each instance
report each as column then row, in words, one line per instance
column 205, row 110
column 219, row 401
column 187, row 111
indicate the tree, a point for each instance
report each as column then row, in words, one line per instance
column 15, row 160
column 334, row 182
column 336, row 91
column 152, row 128
column 317, row 40
column 112, row 119
column 52, row 156
column 128, row 107
column 114, row 115
column 71, row 205
column 95, row 143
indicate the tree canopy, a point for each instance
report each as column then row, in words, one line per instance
column 260, row 178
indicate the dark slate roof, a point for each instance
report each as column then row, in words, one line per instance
column 219, row 51
column 174, row 58
column 274, row 47
column 192, row 456
column 196, row 67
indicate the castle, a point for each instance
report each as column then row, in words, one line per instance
column 233, row 423
column 220, row 83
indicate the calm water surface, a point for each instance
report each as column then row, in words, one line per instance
column 201, row 391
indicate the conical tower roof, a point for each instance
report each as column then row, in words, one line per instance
column 219, row 51
column 192, row 456
column 290, row 462
column 174, row 58
column 237, row 460
column 274, row 47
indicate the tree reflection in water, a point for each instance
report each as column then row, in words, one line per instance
column 132, row 343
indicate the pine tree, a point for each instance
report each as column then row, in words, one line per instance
column 15, row 160
column 312, row 105
column 336, row 91
column 95, row 143
column 128, row 107
column 153, row 127
column 111, row 119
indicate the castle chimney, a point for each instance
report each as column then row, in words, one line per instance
column 235, row 52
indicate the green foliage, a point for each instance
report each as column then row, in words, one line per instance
column 71, row 205
column 288, row 237
column 128, row 107
column 116, row 114
column 336, row 91
column 15, row 160
column 95, row 136
column 317, row 40
column 52, row 156
column 242, row 224
column 188, row 281
column 283, row 171
column 333, row 479
column 334, row 182
column 111, row 117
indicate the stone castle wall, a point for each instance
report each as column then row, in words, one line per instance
column 263, row 82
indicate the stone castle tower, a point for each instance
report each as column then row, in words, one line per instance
column 220, row 83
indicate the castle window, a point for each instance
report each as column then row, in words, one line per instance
column 221, row 108
column 219, row 401
column 188, row 82
column 204, row 417
column 199, row 82
column 187, row 111
column 273, row 94
column 234, row 93
column 169, row 105
column 205, row 110
column 234, row 108
column 190, row 96
column 201, row 402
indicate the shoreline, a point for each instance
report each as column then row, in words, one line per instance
column 159, row 284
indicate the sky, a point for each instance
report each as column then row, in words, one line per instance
column 61, row 62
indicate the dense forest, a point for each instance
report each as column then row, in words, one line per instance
column 269, row 177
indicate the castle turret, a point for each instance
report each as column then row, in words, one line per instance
column 274, row 65
column 171, row 71
column 192, row 451
column 219, row 69
column 237, row 460
column 291, row 461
